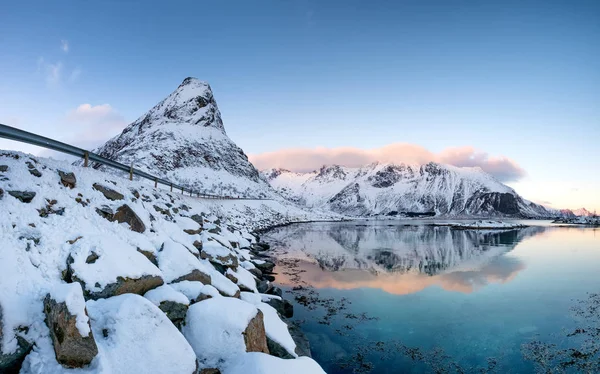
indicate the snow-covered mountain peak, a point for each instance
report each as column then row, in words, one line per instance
column 182, row 139
column 191, row 103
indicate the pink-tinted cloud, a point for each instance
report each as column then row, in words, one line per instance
column 305, row 159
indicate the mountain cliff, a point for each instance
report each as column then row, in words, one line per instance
column 430, row 189
column 183, row 139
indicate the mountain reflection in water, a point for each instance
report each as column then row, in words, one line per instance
column 399, row 259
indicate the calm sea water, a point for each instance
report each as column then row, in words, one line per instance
column 433, row 297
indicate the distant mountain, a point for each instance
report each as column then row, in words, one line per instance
column 390, row 189
column 582, row 212
column 183, row 139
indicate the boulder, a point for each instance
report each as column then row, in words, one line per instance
column 264, row 266
column 108, row 193
column 67, row 179
column 106, row 212
column 302, row 343
column 255, row 336
column 275, row 349
column 256, row 272
column 3, row 168
column 229, row 260
column 122, row 286
column 11, row 362
column 210, row 371
column 195, row 275
column 74, row 344
column 126, row 214
column 275, row 291
column 175, row 311
column 198, row 219
column 263, row 286
column 23, row 196
column 283, row 307
column 149, row 255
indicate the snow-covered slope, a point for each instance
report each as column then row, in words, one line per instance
column 123, row 259
column 395, row 189
column 183, row 139
column 582, row 212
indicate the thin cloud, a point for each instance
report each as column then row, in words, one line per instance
column 53, row 73
column 305, row 159
column 95, row 124
column 64, row 45
column 75, row 74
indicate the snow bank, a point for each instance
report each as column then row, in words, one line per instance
column 166, row 293
column 260, row 363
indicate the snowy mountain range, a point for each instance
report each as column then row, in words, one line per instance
column 392, row 189
column 183, row 139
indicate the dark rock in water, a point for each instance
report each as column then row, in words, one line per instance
column 263, row 286
column 275, row 349
column 126, row 214
column 275, row 291
column 23, row 196
column 123, row 285
column 255, row 336
column 67, row 179
column 108, row 193
column 106, row 212
column 264, row 266
column 11, row 362
column 149, row 255
column 195, row 275
column 72, row 350
column 175, row 311
column 3, row 168
column 302, row 343
column 268, row 277
column 284, row 307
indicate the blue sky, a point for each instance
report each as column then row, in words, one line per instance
column 518, row 79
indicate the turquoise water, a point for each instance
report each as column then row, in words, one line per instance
column 435, row 299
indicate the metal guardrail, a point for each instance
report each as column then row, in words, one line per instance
column 18, row 135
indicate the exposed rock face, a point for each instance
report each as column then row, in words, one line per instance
column 283, row 307
column 227, row 261
column 392, row 189
column 23, row 196
column 275, row 349
column 67, row 179
column 126, row 214
column 255, row 336
column 175, row 311
column 183, row 135
column 149, row 255
column 110, row 194
column 195, row 275
column 3, row 168
column 71, row 349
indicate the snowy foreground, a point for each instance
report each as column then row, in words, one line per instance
column 99, row 274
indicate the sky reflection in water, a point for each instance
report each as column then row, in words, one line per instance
column 474, row 294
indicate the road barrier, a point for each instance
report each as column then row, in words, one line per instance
column 18, row 135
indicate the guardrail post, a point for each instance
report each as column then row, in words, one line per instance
column 171, row 187
column 182, row 190
column 155, row 182
column 131, row 172
column 86, row 159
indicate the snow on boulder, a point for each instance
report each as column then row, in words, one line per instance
column 195, row 291
column 279, row 339
column 245, row 279
column 217, row 253
column 260, row 363
column 69, row 326
column 106, row 266
column 178, row 264
column 135, row 336
column 220, row 330
column 173, row 303
column 225, row 286
column 10, row 360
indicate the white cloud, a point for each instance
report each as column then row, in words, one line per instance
column 95, row 124
column 53, row 73
column 64, row 45
column 303, row 159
